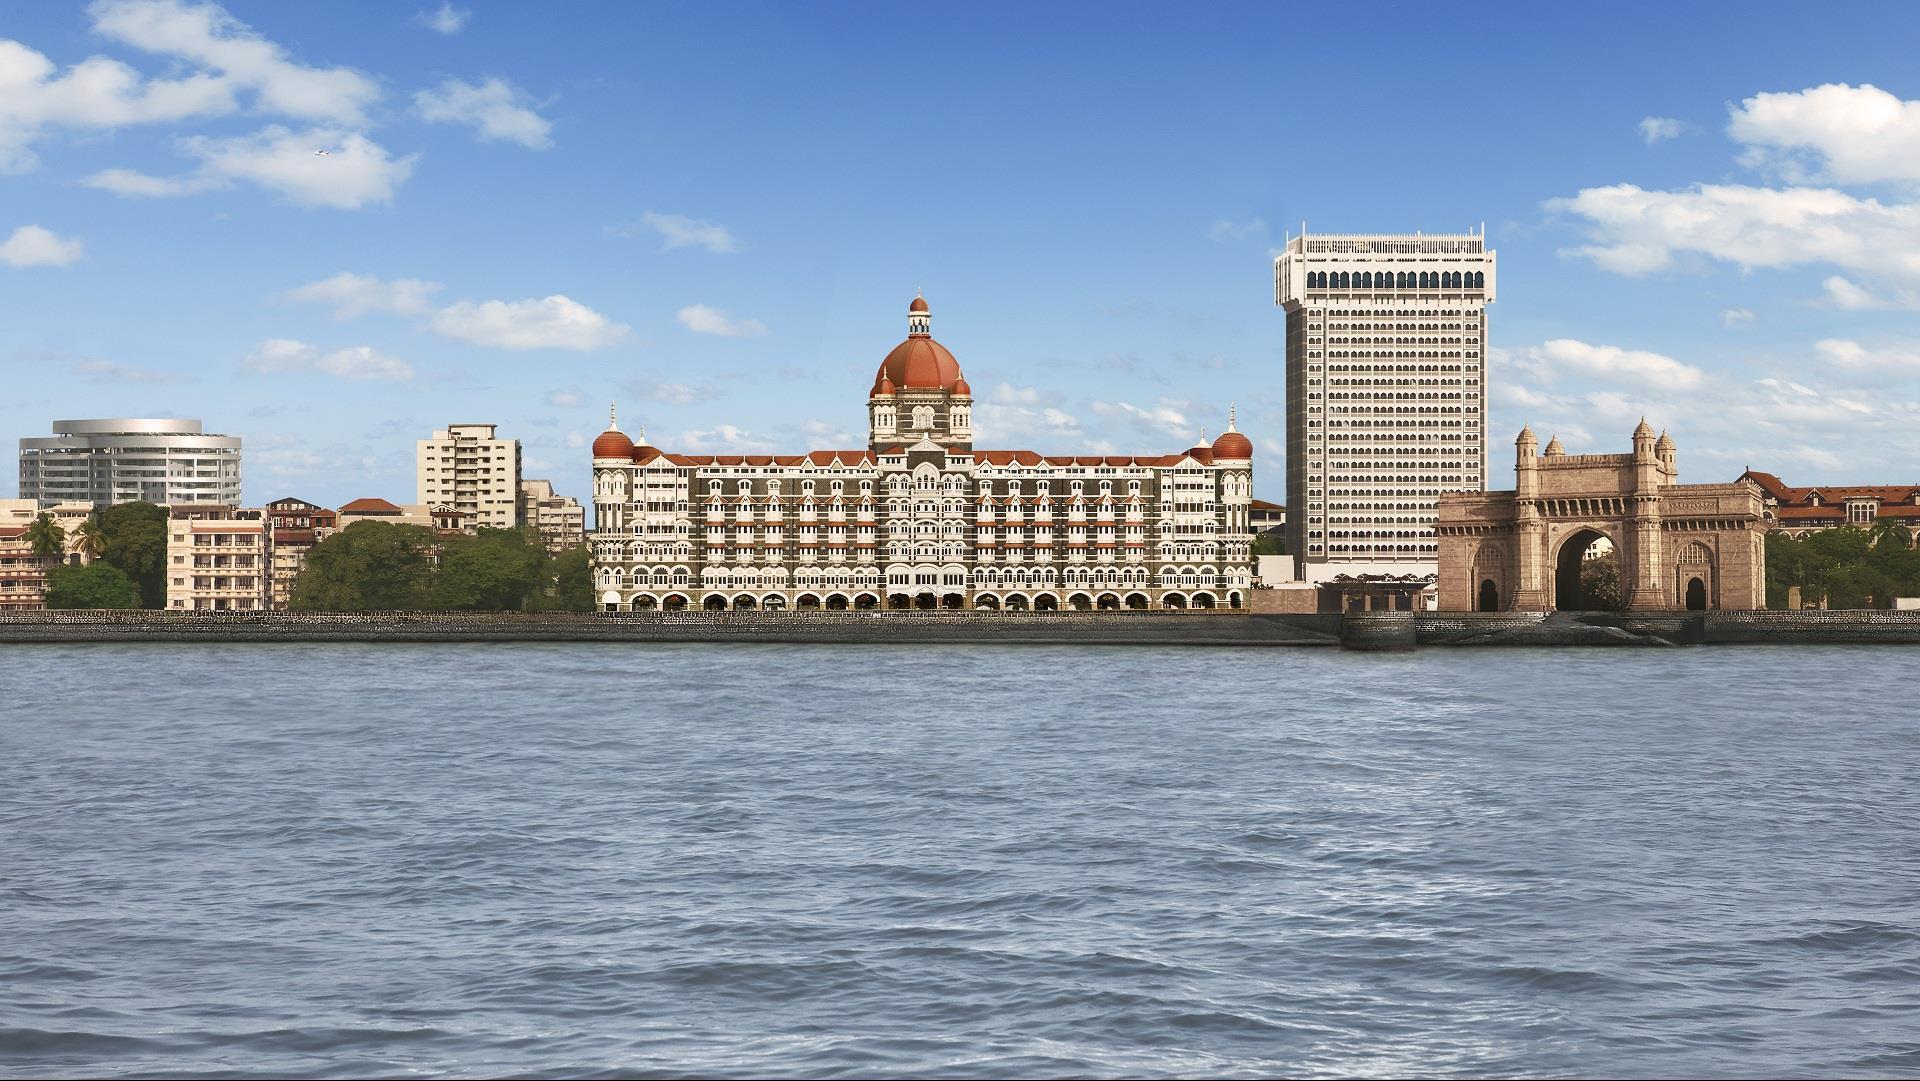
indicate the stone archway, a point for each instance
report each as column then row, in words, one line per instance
column 1489, row 596
column 1580, row 574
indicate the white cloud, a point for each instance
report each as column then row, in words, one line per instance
column 1013, row 413
column 32, row 245
column 1856, row 357
column 97, row 93
column 1225, row 231
column 353, row 295
column 566, row 399
column 1846, row 134
column 680, row 231
column 1168, row 415
column 446, row 20
column 722, row 439
column 555, row 322
column 1638, row 232
column 206, row 36
column 1656, row 129
column 1736, row 317
column 495, row 109
column 360, row 362
column 1607, row 363
column 1842, row 293
column 702, row 319
column 354, row 171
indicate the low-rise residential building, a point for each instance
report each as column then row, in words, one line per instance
column 1265, row 517
column 23, row 574
column 1800, row 511
column 297, row 526
column 374, row 509
column 218, row 558
column 561, row 520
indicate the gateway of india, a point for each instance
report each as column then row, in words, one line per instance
column 919, row 518
column 1681, row 546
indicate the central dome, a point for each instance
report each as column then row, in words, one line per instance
column 919, row 363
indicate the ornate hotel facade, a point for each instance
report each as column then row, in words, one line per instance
column 921, row 519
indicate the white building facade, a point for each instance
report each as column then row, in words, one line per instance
column 1386, row 394
column 219, row 559
column 468, row 467
column 110, row 461
column 920, row 518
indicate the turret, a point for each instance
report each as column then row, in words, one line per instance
column 1526, row 479
column 1668, row 455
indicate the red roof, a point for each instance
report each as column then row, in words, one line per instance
column 919, row 363
column 612, row 443
column 1233, row 445
column 371, row 505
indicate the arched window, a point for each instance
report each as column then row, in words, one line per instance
column 1479, row 279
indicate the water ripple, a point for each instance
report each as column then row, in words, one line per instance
column 349, row 860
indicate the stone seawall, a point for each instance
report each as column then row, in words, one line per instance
column 1368, row 631
column 1040, row 628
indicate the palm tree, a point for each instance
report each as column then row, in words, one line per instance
column 46, row 535
column 89, row 540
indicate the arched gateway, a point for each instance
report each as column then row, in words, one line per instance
column 1678, row 546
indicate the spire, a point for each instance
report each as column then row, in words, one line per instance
column 613, row 417
column 1231, row 407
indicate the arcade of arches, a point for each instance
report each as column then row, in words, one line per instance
column 1677, row 547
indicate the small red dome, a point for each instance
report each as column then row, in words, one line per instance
column 613, row 443
column 884, row 387
column 1233, row 445
column 960, row 387
column 919, row 304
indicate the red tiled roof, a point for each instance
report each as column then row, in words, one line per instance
column 370, row 505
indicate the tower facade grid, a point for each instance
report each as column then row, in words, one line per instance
column 1386, row 341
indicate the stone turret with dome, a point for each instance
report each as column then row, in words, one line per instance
column 919, row 393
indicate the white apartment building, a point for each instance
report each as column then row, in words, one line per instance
column 466, row 467
column 1386, row 394
column 104, row 462
column 560, row 519
column 219, row 558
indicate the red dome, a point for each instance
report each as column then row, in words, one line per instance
column 613, row 443
column 920, row 363
column 919, row 304
column 1233, row 445
column 884, row 387
column 960, row 387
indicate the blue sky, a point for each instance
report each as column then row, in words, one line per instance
column 717, row 214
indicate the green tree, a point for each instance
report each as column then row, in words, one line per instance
column 1271, row 543
column 496, row 570
column 136, row 535
column 94, row 585
column 47, row 536
column 367, row 567
column 90, row 540
column 1600, row 583
column 570, row 581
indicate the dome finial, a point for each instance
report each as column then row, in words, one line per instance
column 1231, row 408
column 613, row 417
